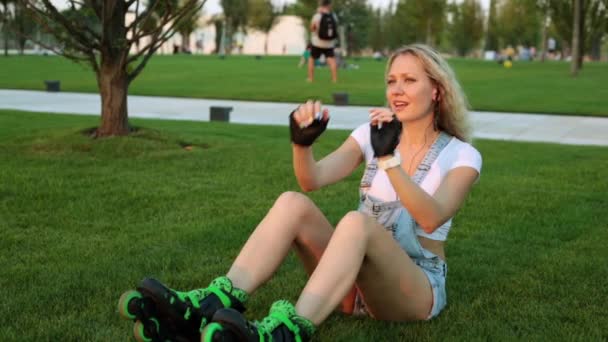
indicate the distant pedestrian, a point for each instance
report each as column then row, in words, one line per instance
column 324, row 35
column 305, row 56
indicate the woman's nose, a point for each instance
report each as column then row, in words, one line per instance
column 397, row 88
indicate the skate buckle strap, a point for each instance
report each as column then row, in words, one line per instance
column 221, row 295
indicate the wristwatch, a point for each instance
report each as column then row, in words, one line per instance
column 389, row 163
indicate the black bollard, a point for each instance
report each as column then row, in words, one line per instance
column 340, row 99
column 219, row 113
column 52, row 86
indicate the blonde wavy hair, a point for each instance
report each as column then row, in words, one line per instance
column 451, row 114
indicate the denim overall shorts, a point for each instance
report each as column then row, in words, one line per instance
column 396, row 219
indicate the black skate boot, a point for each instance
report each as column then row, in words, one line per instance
column 281, row 325
column 162, row 314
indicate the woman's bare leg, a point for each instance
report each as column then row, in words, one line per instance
column 309, row 246
column 293, row 219
column 362, row 251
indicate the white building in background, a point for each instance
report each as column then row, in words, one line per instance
column 288, row 37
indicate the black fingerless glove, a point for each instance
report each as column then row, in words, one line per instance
column 306, row 136
column 385, row 140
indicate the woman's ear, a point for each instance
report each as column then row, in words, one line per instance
column 436, row 94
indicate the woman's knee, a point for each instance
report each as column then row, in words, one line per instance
column 294, row 202
column 355, row 224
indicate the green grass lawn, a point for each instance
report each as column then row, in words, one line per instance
column 527, row 87
column 83, row 220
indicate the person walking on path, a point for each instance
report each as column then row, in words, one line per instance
column 324, row 35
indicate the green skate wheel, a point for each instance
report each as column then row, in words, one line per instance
column 146, row 332
column 139, row 331
column 127, row 304
column 212, row 332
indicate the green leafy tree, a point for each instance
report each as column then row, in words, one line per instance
column 596, row 26
column 561, row 13
column 354, row 16
column 519, row 22
column 22, row 25
column 96, row 33
column 402, row 25
column 467, row 26
column 491, row 43
column 304, row 9
column 263, row 16
column 235, row 19
column 378, row 28
column 591, row 25
column 6, row 17
column 187, row 26
column 545, row 10
column 423, row 20
column 576, row 35
column 432, row 19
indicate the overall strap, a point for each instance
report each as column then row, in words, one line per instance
column 368, row 175
column 423, row 168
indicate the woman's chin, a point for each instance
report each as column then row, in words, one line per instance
column 407, row 116
column 402, row 115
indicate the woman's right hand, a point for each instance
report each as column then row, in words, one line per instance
column 308, row 122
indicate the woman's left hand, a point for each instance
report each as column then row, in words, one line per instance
column 385, row 131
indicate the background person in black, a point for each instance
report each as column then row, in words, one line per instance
column 324, row 34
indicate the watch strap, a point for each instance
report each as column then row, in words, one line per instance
column 389, row 163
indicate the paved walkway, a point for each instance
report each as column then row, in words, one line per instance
column 573, row 130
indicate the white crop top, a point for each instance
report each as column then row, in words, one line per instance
column 456, row 154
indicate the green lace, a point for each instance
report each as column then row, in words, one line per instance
column 283, row 312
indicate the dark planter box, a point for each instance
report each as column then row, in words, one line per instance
column 219, row 113
column 53, row 86
column 340, row 99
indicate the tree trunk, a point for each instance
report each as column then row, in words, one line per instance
column 4, row 29
column 185, row 41
column 112, row 74
column 266, row 44
column 581, row 37
column 429, row 32
column 20, row 27
column 543, row 54
column 218, row 36
column 596, row 47
column 113, row 88
column 576, row 27
column 5, row 43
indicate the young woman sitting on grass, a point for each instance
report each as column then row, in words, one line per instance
column 386, row 259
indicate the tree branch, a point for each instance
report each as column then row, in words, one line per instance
column 167, row 18
column 76, row 31
column 142, row 19
column 96, row 5
column 73, row 3
column 159, row 37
